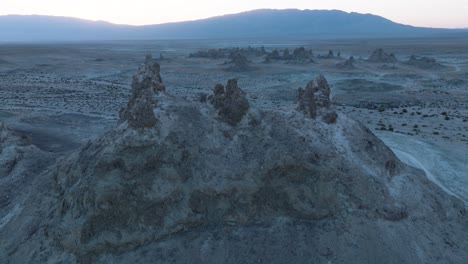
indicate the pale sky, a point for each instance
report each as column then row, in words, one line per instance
column 429, row 13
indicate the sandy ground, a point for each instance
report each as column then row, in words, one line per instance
column 66, row 94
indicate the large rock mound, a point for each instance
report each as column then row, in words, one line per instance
column 277, row 188
column 380, row 56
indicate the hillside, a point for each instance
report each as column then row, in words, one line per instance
column 267, row 23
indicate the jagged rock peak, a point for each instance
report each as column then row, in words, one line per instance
column 146, row 82
column 231, row 102
column 149, row 70
column 347, row 64
column 315, row 100
column 379, row 55
column 306, row 100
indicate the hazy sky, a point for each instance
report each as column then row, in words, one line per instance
column 431, row 13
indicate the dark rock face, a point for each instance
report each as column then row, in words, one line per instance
column 315, row 100
column 424, row 63
column 146, row 82
column 379, row 56
column 306, row 100
column 323, row 97
column 231, row 103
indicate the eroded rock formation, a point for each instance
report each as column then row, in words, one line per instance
column 306, row 100
column 146, row 82
column 279, row 188
column 347, row 64
column 315, row 100
column 380, row 56
column 232, row 104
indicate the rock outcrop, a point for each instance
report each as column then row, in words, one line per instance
column 315, row 100
column 306, row 100
column 278, row 188
column 11, row 150
column 347, row 64
column 380, row 56
column 231, row 103
column 146, row 82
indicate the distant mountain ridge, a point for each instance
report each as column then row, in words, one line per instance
column 263, row 23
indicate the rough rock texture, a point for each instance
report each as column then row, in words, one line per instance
column 424, row 63
column 323, row 89
column 315, row 100
column 278, row 188
column 146, row 82
column 231, row 103
column 20, row 163
column 306, row 100
column 11, row 150
column 17, row 155
column 380, row 56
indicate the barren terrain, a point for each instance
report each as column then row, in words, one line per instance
column 100, row 164
column 66, row 94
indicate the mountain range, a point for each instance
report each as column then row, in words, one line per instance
column 263, row 23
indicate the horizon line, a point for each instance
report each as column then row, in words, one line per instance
column 217, row 16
